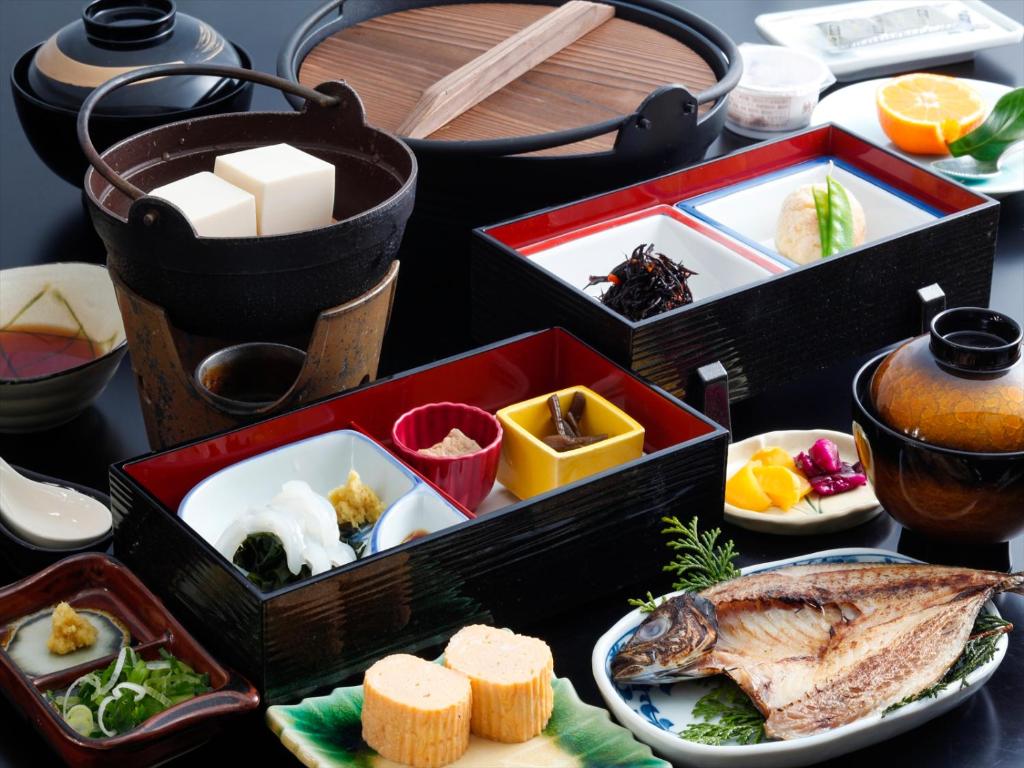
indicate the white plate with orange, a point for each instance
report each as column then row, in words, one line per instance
column 855, row 109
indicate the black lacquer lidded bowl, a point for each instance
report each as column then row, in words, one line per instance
column 51, row 81
column 114, row 36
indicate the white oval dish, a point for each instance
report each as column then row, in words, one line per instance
column 814, row 514
column 656, row 713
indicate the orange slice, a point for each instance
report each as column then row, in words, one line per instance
column 922, row 113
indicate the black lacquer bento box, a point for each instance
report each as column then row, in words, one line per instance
column 767, row 319
column 511, row 566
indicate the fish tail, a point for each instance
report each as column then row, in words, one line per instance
column 1013, row 582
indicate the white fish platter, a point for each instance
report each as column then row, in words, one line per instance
column 657, row 713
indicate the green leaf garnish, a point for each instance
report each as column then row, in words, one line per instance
column 1004, row 126
column 978, row 652
column 728, row 715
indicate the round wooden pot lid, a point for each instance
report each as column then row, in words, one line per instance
column 391, row 59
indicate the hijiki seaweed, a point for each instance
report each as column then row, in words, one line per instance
column 645, row 284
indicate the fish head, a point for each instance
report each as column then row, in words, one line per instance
column 670, row 643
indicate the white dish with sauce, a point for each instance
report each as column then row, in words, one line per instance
column 412, row 517
column 78, row 299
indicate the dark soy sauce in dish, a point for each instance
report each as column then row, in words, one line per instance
column 419, row 533
column 29, row 351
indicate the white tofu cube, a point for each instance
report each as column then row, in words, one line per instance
column 214, row 207
column 294, row 190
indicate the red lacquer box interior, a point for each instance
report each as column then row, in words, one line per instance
column 299, row 637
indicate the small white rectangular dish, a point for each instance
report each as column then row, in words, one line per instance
column 657, row 713
column 749, row 211
column 720, row 265
column 977, row 26
column 323, row 462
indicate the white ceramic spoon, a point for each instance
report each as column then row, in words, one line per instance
column 48, row 515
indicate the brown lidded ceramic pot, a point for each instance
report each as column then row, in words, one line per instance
column 961, row 386
column 939, row 426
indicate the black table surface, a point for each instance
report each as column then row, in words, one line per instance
column 42, row 220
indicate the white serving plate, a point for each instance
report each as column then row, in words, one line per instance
column 853, row 108
column 814, row 514
column 749, row 210
column 598, row 249
column 796, row 29
column 657, row 713
column 323, row 461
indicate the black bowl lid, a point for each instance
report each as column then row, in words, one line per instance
column 974, row 339
column 114, row 36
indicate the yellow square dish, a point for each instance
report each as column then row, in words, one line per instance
column 528, row 466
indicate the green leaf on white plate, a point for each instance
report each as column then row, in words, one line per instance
column 1003, row 127
column 326, row 732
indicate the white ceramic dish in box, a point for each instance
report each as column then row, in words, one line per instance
column 596, row 250
column 749, row 211
column 853, row 108
column 73, row 296
column 657, row 713
column 416, row 514
column 814, row 514
column 323, row 461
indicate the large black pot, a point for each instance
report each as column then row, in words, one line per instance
column 465, row 184
column 250, row 288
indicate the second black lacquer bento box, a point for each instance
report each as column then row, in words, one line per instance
column 508, row 567
column 767, row 319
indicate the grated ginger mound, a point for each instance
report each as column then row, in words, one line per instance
column 71, row 631
column 355, row 503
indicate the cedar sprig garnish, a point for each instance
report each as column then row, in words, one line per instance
column 729, row 716
column 699, row 563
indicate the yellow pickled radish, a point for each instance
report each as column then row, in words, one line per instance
column 775, row 457
column 783, row 487
column 744, row 491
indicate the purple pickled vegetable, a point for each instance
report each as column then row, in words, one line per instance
column 826, row 472
column 830, row 485
column 825, row 455
column 806, row 465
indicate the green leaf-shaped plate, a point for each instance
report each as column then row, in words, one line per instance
column 325, row 732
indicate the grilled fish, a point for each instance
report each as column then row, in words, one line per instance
column 817, row 646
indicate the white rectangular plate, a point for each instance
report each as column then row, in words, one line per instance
column 797, row 29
